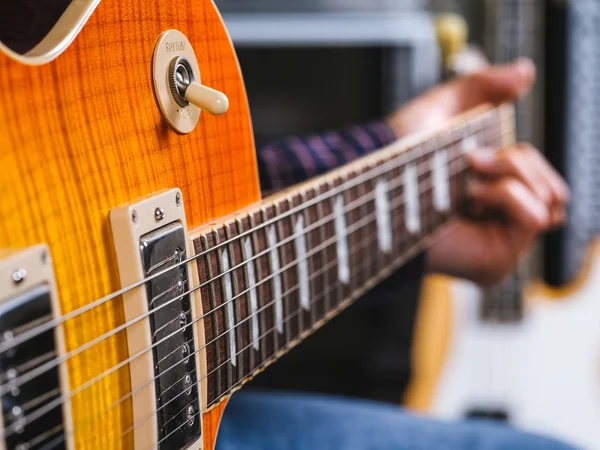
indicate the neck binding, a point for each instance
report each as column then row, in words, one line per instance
column 276, row 272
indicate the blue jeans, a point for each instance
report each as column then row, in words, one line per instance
column 287, row 421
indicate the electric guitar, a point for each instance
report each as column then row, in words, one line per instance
column 143, row 279
column 537, row 368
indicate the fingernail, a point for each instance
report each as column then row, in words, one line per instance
column 484, row 155
column 526, row 67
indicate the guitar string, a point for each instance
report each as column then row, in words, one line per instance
column 220, row 305
column 365, row 265
column 404, row 156
column 323, row 221
column 286, row 347
column 353, row 228
column 286, row 268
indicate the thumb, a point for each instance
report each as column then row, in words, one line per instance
column 503, row 82
column 494, row 84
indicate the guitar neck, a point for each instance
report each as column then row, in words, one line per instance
column 272, row 274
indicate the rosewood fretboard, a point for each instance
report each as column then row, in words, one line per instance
column 272, row 274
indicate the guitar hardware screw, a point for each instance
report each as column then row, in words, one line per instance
column 182, row 320
column 19, row 276
column 178, row 199
column 185, row 350
column 134, row 216
column 44, row 256
column 159, row 214
column 188, row 383
column 191, row 414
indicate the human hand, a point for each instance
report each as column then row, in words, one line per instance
column 525, row 194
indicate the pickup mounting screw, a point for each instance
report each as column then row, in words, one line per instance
column 134, row 216
column 159, row 214
column 178, row 199
column 191, row 414
column 19, row 276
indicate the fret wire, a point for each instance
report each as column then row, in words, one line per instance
column 215, row 313
column 248, row 347
column 284, row 279
column 311, row 260
column 244, row 275
column 237, row 313
column 214, row 278
column 229, row 344
column 92, row 305
column 218, row 337
column 264, row 335
column 257, row 264
column 324, row 254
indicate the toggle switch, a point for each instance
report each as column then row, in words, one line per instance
column 186, row 90
column 178, row 88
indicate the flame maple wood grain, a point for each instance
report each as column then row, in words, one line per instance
column 83, row 134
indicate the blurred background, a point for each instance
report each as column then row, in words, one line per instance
column 302, row 60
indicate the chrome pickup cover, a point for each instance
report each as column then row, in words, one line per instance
column 176, row 376
column 33, row 404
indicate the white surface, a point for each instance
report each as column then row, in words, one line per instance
column 384, row 218
column 545, row 371
column 229, row 300
column 411, row 199
column 441, row 187
column 274, row 259
column 302, row 263
column 252, row 286
column 341, row 240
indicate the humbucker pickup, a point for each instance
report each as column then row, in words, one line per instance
column 34, row 412
column 151, row 244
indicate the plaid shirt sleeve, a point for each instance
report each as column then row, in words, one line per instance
column 298, row 158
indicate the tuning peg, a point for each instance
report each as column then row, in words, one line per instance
column 452, row 33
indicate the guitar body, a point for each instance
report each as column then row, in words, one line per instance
column 143, row 280
column 82, row 134
column 541, row 374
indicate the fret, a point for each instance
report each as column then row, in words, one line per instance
column 242, row 290
column 279, row 281
column 412, row 213
column 396, row 196
column 265, row 291
column 375, row 229
column 237, row 307
column 211, row 330
column 275, row 276
column 226, row 321
column 228, row 300
column 318, row 259
column 431, row 217
column 258, row 321
column 289, row 264
column 384, row 216
column 331, row 258
column 341, row 240
column 352, row 201
column 441, row 180
column 303, row 270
